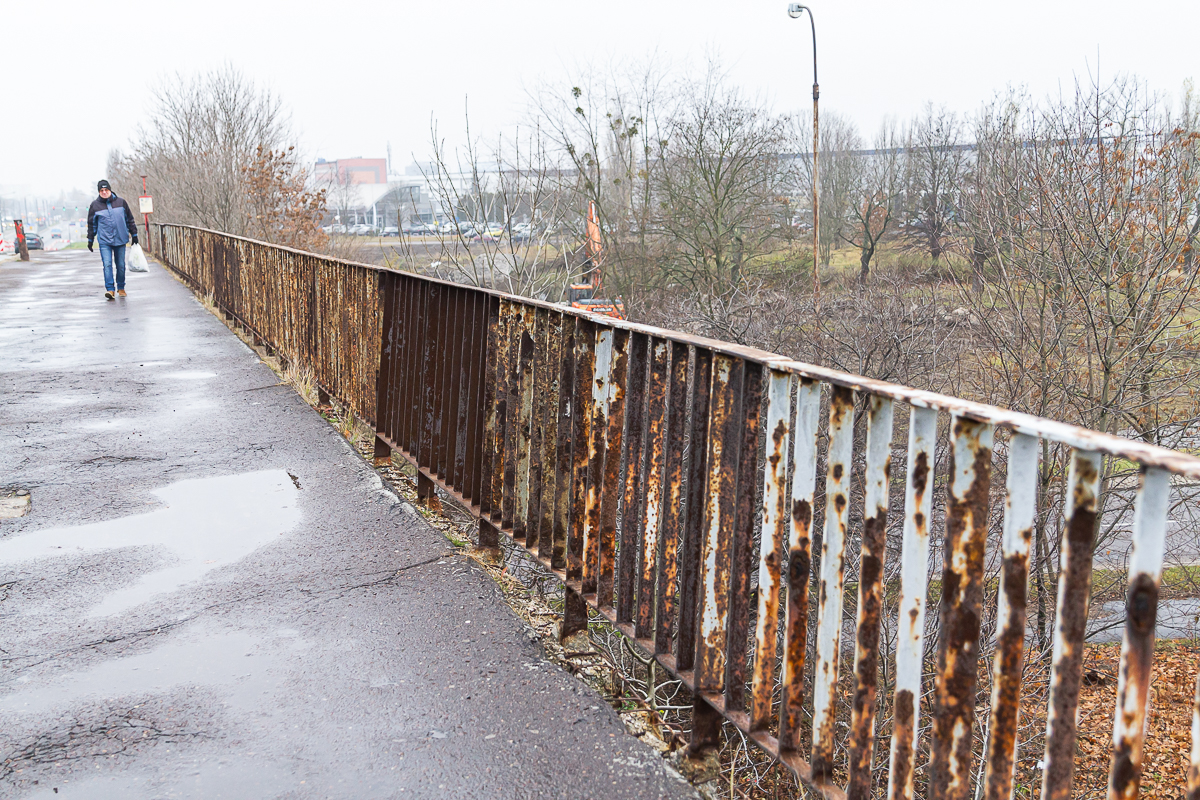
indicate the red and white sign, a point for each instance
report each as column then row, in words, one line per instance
column 146, row 204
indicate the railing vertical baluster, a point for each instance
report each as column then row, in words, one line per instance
column 741, row 557
column 388, row 347
column 479, row 411
column 547, row 471
column 1074, row 586
column 1020, row 510
column 611, row 487
column 693, row 531
column 512, row 389
column 596, row 452
column 795, row 643
column 671, row 528
column 720, row 506
column 468, row 398
column 537, row 425
column 833, row 557
column 523, row 434
column 460, row 365
column 563, row 465
column 656, row 456
column 1137, row 647
column 447, row 370
column 870, row 596
column 487, row 433
column 961, row 606
column 914, row 572
column 584, row 399
column 631, row 505
column 770, row 551
column 428, row 373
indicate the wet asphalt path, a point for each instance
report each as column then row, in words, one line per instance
column 215, row 597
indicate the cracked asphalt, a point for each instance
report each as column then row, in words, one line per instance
column 214, row 596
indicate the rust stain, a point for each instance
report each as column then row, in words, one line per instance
column 961, row 607
column 902, row 773
column 1074, row 588
column 1125, row 770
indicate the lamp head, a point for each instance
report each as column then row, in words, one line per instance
column 795, row 10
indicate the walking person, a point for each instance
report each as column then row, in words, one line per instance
column 111, row 223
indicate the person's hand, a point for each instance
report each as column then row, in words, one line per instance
column 90, row 250
column 135, row 238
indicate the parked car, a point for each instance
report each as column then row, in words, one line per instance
column 489, row 233
column 362, row 229
column 391, row 230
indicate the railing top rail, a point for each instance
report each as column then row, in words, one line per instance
column 1146, row 454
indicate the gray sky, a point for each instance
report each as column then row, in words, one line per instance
column 358, row 75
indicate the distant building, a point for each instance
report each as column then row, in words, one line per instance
column 350, row 171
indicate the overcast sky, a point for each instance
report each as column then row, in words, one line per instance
column 357, row 76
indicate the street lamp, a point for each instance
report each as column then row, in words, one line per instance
column 795, row 11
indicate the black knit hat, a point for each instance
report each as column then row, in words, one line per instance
column 103, row 185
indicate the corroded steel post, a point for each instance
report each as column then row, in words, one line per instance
column 870, row 596
column 1020, row 511
column 1137, row 648
column 1074, row 587
column 833, row 557
column 914, row 565
column 795, row 643
column 770, row 553
column 961, row 606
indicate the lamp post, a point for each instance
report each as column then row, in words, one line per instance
column 795, row 10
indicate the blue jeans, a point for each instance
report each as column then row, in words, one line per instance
column 107, row 251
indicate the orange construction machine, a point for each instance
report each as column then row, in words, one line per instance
column 585, row 296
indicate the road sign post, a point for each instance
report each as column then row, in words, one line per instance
column 146, row 206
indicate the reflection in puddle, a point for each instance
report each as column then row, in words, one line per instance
column 201, row 659
column 208, row 523
column 226, row 778
column 191, row 376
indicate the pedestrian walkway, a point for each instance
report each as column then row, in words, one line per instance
column 213, row 596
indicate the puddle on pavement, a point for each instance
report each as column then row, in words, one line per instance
column 207, row 524
column 190, row 376
column 197, row 658
column 181, row 778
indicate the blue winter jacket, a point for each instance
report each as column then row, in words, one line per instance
column 110, row 221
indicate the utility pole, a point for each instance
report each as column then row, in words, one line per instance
column 795, row 10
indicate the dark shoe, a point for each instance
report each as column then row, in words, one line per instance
column 109, row 296
column 120, row 292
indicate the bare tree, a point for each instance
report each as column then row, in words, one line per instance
column 874, row 198
column 607, row 127
column 504, row 216
column 718, row 200
column 842, row 166
column 203, row 133
column 936, row 163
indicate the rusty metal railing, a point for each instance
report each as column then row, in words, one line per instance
column 671, row 482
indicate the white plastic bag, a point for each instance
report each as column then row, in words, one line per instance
column 136, row 260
